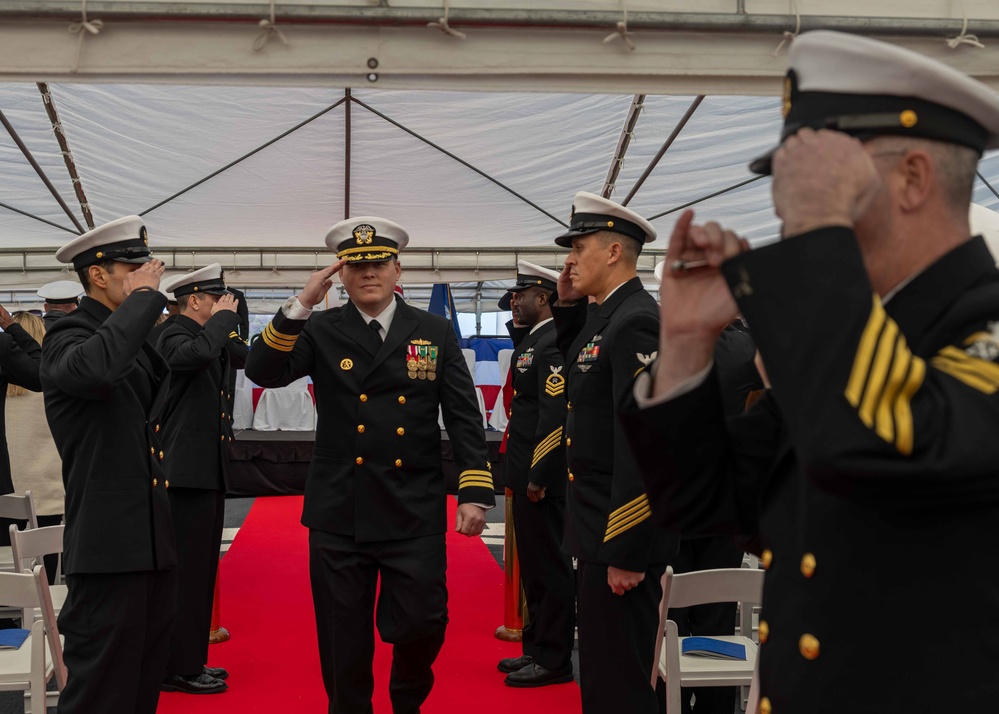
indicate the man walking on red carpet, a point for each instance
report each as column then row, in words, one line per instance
column 375, row 499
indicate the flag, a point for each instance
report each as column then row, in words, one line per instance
column 442, row 303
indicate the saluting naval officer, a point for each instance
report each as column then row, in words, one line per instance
column 61, row 298
column 867, row 472
column 105, row 388
column 197, row 432
column 375, row 499
column 608, row 329
column 535, row 467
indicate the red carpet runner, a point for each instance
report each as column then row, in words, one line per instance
column 273, row 658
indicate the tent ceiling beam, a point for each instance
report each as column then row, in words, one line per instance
column 664, row 148
column 38, row 170
column 705, row 198
column 985, row 181
column 623, row 142
column 50, row 110
column 247, row 155
column 392, row 48
column 487, row 18
column 460, row 160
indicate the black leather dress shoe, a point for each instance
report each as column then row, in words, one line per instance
column 198, row 684
column 534, row 675
column 513, row 664
column 216, row 672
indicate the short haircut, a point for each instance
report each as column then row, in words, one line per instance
column 631, row 248
column 955, row 168
column 183, row 300
column 84, row 276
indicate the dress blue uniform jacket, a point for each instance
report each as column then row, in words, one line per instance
column 535, row 447
column 607, row 511
column 197, row 420
column 105, row 389
column 376, row 469
column 868, row 477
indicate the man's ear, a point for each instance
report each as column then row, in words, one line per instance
column 616, row 250
column 98, row 276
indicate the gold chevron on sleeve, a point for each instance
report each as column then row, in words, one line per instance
column 973, row 371
column 884, row 378
column 546, row 445
column 473, row 477
column 627, row 516
column 555, row 385
column 278, row 340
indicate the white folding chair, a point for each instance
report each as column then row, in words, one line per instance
column 18, row 508
column 30, row 667
column 29, row 547
column 740, row 585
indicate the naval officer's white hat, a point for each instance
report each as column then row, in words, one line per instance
column 868, row 88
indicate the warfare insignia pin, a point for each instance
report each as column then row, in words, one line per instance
column 346, row 364
column 364, row 234
column 419, row 342
column 597, row 338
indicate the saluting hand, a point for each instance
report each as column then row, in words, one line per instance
column 471, row 519
column 567, row 295
column 147, row 275
column 5, row 319
column 226, row 302
column 823, row 178
column 319, row 284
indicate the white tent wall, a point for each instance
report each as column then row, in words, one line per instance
column 160, row 98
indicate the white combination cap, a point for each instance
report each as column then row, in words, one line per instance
column 366, row 239
column 203, row 280
column 123, row 240
column 530, row 275
column 592, row 213
column 61, row 292
column 868, row 88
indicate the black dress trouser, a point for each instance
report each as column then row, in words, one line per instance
column 411, row 615
column 117, row 628
column 549, row 583
column 198, row 515
column 617, row 641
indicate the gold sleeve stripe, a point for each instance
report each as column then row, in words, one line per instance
column 884, row 379
column 865, row 352
column 903, row 406
column 878, row 372
column 884, row 423
column 628, row 524
column 271, row 342
column 234, row 334
column 475, row 472
column 545, row 446
column 280, row 336
column 554, row 391
column 627, row 510
column 975, row 372
column 476, row 483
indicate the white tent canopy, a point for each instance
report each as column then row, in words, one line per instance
column 141, row 128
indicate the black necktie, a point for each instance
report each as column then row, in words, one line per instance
column 376, row 330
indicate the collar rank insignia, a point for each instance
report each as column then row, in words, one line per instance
column 646, row 360
column 421, row 362
column 984, row 345
column 525, row 360
column 364, row 234
column 555, row 384
column 419, row 342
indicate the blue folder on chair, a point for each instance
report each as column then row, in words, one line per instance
column 13, row 639
column 710, row 647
